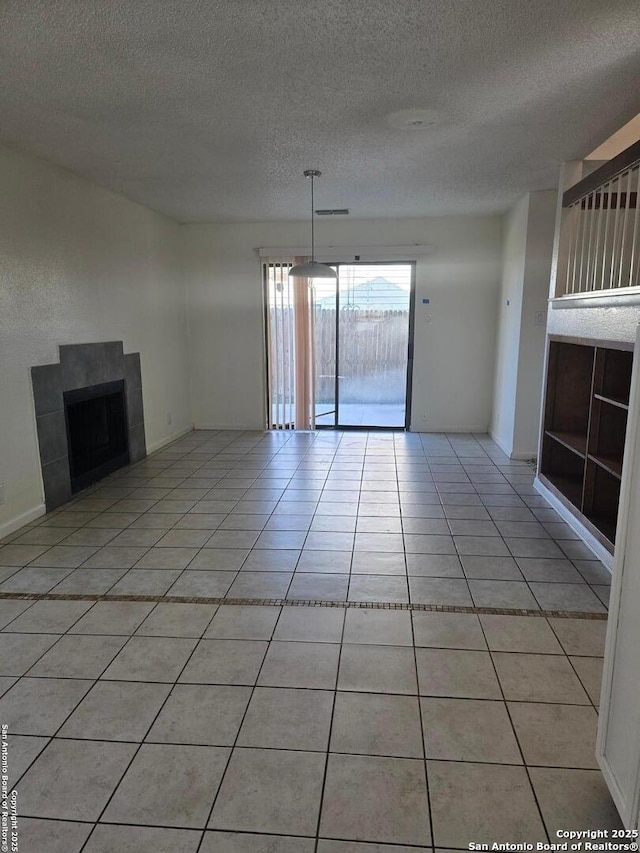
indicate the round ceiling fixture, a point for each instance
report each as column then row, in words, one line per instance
column 413, row 119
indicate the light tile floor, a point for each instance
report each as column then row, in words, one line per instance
column 393, row 517
column 154, row 725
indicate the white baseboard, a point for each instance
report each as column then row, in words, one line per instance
column 234, row 427
column 9, row 527
column 503, row 447
column 441, row 429
column 518, row 456
column 157, row 445
column 587, row 537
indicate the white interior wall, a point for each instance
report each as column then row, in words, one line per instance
column 527, row 251
column 537, row 271
column 81, row 264
column 509, row 313
column 454, row 333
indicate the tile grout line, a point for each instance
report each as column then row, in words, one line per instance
column 513, row 728
column 422, row 735
column 308, row 531
column 330, row 734
column 141, row 743
column 582, row 681
column 83, row 697
column 355, row 530
column 234, row 745
column 402, row 530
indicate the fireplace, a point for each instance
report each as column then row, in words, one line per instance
column 89, row 416
column 96, row 424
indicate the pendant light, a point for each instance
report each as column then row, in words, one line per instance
column 312, row 268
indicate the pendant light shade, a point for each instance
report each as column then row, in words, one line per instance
column 312, row 268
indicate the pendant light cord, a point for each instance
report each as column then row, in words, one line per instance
column 312, row 268
column 313, row 245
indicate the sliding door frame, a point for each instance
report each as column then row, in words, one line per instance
column 410, row 348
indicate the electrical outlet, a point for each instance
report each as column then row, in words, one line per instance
column 540, row 318
column 169, row 419
column 1, row 493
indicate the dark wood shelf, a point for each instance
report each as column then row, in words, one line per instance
column 571, row 487
column 619, row 404
column 611, row 464
column 606, row 524
column 585, row 421
column 571, row 440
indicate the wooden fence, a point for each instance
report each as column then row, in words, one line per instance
column 373, row 355
column 372, row 361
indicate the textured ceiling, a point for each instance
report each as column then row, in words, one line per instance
column 211, row 109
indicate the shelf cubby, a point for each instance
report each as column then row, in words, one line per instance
column 613, row 375
column 607, row 435
column 601, row 499
column 564, row 468
column 584, row 429
column 571, row 377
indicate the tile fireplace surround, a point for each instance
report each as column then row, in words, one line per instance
column 81, row 366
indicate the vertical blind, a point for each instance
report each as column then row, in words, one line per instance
column 290, row 347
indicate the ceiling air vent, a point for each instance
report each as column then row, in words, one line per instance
column 335, row 212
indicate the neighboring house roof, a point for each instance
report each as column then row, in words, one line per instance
column 378, row 294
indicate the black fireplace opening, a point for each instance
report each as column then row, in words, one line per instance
column 97, row 437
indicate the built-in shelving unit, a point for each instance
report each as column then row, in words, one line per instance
column 584, row 427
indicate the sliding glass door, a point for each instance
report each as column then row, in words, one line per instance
column 363, row 342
